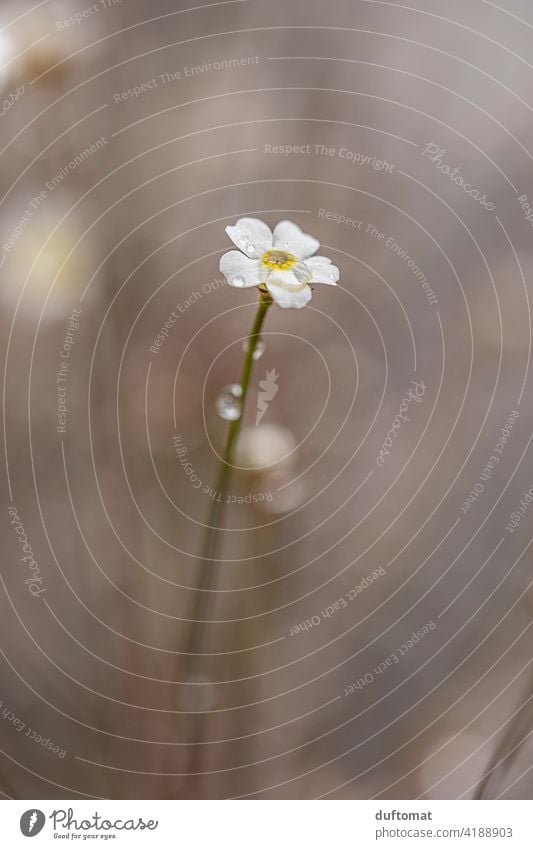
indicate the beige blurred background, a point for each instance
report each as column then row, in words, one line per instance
column 132, row 134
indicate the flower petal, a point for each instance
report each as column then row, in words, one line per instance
column 240, row 271
column 287, row 296
column 252, row 236
column 289, row 237
column 286, row 278
column 323, row 270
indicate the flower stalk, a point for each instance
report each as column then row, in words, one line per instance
column 201, row 601
column 198, row 640
column 282, row 265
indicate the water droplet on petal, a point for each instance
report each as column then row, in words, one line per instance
column 238, row 281
column 250, row 249
column 332, row 275
column 198, row 695
column 229, row 405
column 259, row 348
column 302, row 272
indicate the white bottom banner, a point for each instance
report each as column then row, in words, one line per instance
column 264, row 824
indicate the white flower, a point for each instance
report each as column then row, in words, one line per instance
column 283, row 261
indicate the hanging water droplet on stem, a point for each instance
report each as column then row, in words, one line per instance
column 229, row 404
column 259, row 347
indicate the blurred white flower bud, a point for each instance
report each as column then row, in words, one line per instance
column 267, row 446
column 38, row 262
column 34, row 43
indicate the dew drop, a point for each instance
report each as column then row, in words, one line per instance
column 302, row 272
column 198, row 695
column 238, row 281
column 250, row 248
column 259, row 348
column 229, row 405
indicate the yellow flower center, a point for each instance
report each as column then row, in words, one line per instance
column 278, row 260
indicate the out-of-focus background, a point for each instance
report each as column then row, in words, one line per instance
column 369, row 615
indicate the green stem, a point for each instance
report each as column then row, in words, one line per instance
column 200, row 628
column 201, row 599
